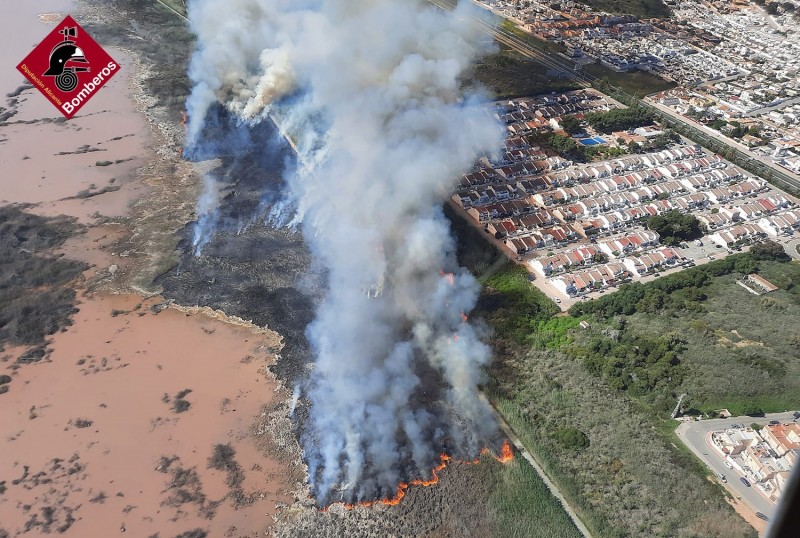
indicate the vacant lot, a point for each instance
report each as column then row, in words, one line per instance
column 742, row 351
column 641, row 8
column 638, row 83
column 507, row 75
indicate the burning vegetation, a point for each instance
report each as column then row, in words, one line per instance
column 506, row 454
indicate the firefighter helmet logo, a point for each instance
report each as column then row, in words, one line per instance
column 63, row 60
column 68, row 67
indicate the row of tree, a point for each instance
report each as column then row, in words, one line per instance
column 620, row 119
column 679, row 291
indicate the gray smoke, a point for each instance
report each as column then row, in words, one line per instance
column 369, row 93
column 207, row 212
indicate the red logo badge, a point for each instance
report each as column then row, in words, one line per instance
column 68, row 67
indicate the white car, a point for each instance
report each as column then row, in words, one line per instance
column 727, row 464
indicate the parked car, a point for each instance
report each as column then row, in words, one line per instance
column 728, row 464
column 736, row 426
column 759, row 515
column 744, row 481
column 723, row 479
column 796, row 415
column 698, row 242
column 774, row 422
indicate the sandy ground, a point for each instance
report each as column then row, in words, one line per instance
column 748, row 515
column 83, row 434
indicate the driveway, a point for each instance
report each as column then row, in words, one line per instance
column 695, row 435
column 792, row 247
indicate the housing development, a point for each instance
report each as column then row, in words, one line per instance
column 581, row 227
column 736, row 64
column 764, row 457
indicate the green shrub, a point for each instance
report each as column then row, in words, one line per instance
column 571, row 438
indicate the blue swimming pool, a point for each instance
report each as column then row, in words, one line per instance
column 593, row 141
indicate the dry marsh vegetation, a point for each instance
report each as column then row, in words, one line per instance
column 36, row 298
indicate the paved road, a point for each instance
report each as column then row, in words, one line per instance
column 792, row 247
column 694, row 435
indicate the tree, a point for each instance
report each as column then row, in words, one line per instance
column 745, row 265
column 769, row 250
column 620, row 119
column 752, row 410
column 674, row 227
column 571, row 125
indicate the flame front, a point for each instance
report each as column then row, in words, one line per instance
column 184, row 119
column 506, row 455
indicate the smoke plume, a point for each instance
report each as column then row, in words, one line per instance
column 368, row 91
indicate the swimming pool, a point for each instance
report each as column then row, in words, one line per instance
column 593, row 141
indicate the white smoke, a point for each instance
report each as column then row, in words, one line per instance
column 369, row 92
column 207, row 212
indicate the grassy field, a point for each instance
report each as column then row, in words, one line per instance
column 628, row 481
column 741, row 350
column 638, row 83
column 524, row 507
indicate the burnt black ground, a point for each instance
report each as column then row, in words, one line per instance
column 249, row 269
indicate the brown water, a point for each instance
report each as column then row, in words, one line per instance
column 115, row 372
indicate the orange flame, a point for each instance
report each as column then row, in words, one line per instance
column 464, row 317
column 505, row 456
column 450, row 277
column 184, row 119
